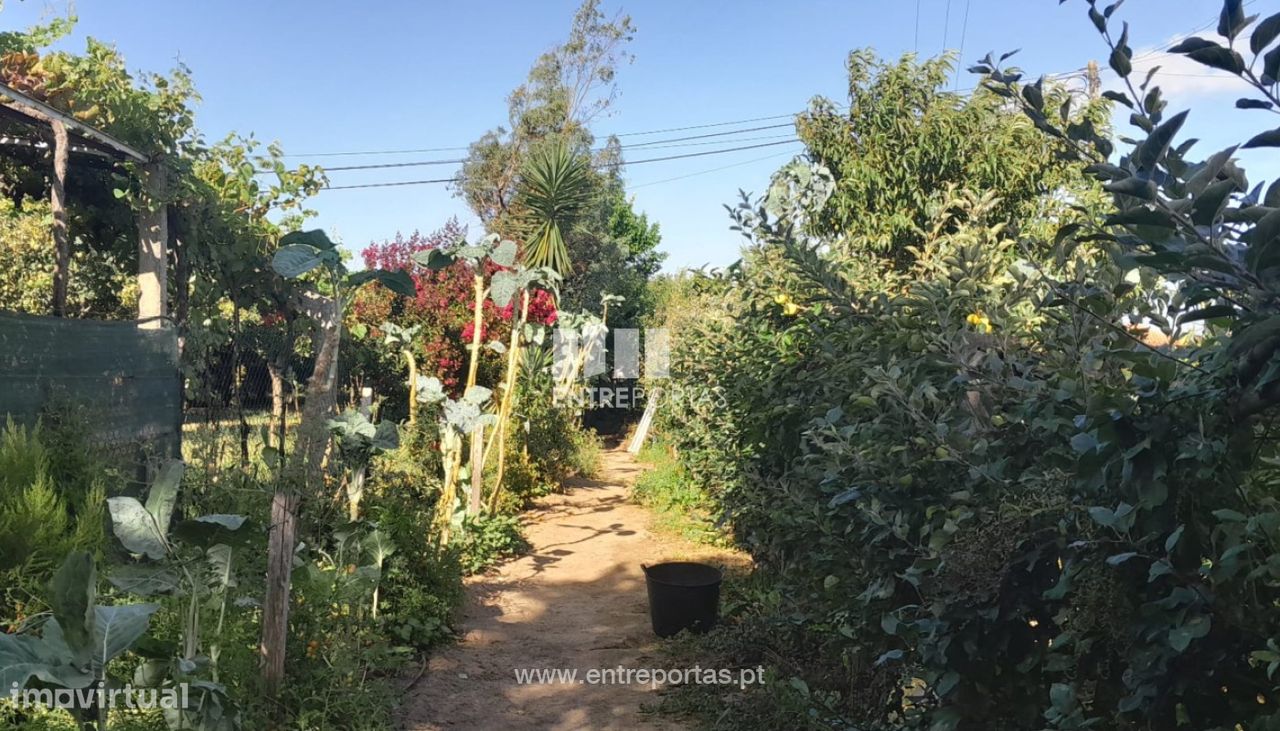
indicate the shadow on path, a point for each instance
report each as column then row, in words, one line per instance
column 577, row 601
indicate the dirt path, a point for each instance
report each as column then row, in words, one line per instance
column 576, row 601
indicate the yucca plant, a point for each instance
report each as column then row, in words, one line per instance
column 556, row 183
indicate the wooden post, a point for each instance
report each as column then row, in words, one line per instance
column 282, row 540
column 305, row 471
column 58, row 204
column 153, row 234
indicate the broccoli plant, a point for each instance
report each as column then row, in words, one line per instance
column 77, row 643
column 359, row 440
column 192, row 561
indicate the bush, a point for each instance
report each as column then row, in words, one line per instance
column 680, row 503
column 984, row 500
column 553, row 437
column 42, row 516
column 486, row 539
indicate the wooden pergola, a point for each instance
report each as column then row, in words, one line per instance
column 66, row 135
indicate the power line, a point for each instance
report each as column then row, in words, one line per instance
column 916, row 47
column 387, row 185
column 714, row 134
column 616, row 164
column 357, row 153
column 405, row 151
column 704, row 153
column 652, row 145
column 709, row 170
column 946, row 26
column 964, row 31
column 382, row 165
column 1153, row 52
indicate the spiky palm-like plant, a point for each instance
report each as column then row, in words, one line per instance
column 555, row 185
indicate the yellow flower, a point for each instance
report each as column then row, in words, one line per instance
column 790, row 309
column 782, row 298
column 979, row 322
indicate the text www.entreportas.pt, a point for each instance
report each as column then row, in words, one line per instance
column 653, row 677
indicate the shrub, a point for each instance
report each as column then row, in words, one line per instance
column 42, row 517
column 985, row 501
column 486, row 539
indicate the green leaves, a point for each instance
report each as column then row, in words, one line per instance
column 502, row 287
column 136, row 528
column 1232, row 20
column 315, row 239
column 504, row 254
column 1181, row 637
column 80, row 639
column 360, row 439
column 74, row 588
column 115, row 629
column 1210, row 54
column 295, row 260
column 434, row 259
column 1157, row 143
column 1264, row 34
column 430, row 390
column 209, row 530
column 398, row 281
column 554, row 187
column 145, row 581
column 1122, row 55
column 1270, row 138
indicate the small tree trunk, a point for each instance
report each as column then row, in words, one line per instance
column 508, row 397
column 413, row 386
column 477, row 471
column 237, row 386
column 477, row 321
column 277, row 401
column 313, row 439
column 313, row 435
column 276, row 367
column 355, row 493
column 58, row 204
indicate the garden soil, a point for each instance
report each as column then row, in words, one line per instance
column 576, row 601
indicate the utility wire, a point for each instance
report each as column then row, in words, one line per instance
column 917, row 38
column 613, row 164
column 620, row 134
column 964, row 31
column 710, row 170
column 1156, row 52
column 653, row 145
column 946, row 26
column 713, row 134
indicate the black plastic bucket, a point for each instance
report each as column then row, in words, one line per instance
column 683, row 595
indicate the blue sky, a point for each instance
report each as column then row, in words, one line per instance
column 323, row 76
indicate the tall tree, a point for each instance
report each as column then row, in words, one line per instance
column 904, row 141
column 568, row 87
